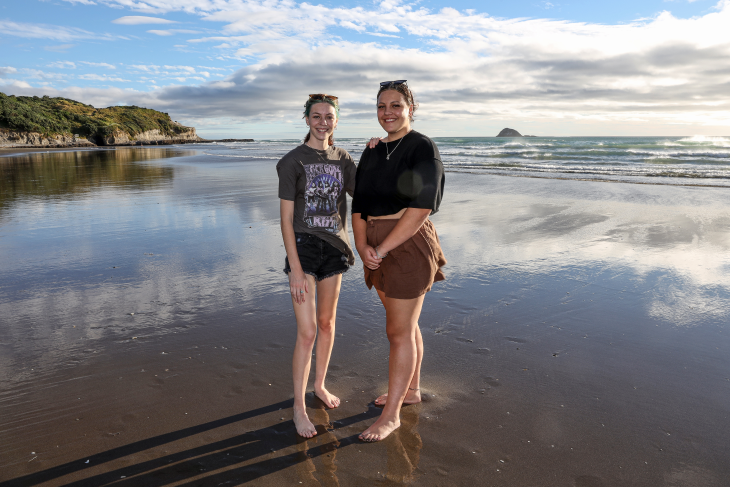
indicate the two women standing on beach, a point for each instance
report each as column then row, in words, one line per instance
column 399, row 183
column 313, row 180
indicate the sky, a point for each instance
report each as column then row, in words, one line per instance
column 244, row 68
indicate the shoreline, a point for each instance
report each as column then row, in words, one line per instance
column 558, row 176
column 138, row 143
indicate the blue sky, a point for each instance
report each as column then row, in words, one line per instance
column 243, row 68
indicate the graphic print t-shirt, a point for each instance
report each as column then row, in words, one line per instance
column 317, row 182
column 323, row 187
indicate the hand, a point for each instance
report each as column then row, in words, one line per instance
column 369, row 257
column 298, row 286
column 373, row 142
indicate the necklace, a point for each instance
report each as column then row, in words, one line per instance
column 388, row 154
column 318, row 152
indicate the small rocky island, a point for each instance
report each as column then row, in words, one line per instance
column 31, row 121
column 507, row 132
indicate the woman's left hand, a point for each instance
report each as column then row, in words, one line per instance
column 370, row 257
column 373, row 142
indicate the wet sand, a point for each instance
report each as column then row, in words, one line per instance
column 146, row 334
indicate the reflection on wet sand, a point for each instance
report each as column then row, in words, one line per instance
column 404, row 451
column 64, row 174
column 322, row 469
column 316, row 463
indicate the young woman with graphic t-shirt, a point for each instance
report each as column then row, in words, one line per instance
column 313, row 180
column 400, row 181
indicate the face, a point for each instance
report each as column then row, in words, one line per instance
column 393, row 112
column 322, row 120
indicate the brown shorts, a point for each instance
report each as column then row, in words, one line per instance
column 408, row 270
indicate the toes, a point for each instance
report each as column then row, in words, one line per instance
column 369, row 437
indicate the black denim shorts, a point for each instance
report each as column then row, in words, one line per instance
column 318, row 258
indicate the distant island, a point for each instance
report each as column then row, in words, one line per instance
column 506, row 132
column 31, row 121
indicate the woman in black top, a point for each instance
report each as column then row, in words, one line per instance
column 399, row 183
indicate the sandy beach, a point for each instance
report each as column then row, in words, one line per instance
column 146, row 333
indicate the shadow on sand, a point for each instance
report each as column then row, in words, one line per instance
column 222, row 456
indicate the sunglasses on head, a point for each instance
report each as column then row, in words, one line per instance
column 323, row 96
column 393, row 83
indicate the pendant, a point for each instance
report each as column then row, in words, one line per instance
column 387, row 158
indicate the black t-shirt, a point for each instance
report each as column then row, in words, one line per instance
column 412, row 178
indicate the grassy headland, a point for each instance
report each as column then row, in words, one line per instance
column 52, row 116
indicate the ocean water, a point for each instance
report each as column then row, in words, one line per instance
column 697, row 160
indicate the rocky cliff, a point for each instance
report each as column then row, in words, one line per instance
column 9, row 138
column 59, row 122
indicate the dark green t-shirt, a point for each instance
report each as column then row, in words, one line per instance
column 316, row 181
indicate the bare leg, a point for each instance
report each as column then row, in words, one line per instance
column 401, row 325
column 328, row 292
column 413, row 396
column 305, row 313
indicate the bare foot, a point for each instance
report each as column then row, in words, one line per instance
column 412, row 397
column 304, row 426
column 329, row 400
column 379, row 430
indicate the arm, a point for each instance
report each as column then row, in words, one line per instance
column 406, row 227
column 297, row 278
column 367, row 253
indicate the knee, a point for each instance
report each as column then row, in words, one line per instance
column 398, row 336
column 326, row 324
column 306, row 337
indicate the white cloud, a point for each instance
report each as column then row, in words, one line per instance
column 100, row 65
column 45, row 31
column 42, row 75
column 380, row 34
column 59, row 48
column 170, row 32
column 15, row 84
column 148, row 68
column 139, row 20
column 62, row 65
column 97, row 77
column 187, row 69
column 6, row 70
